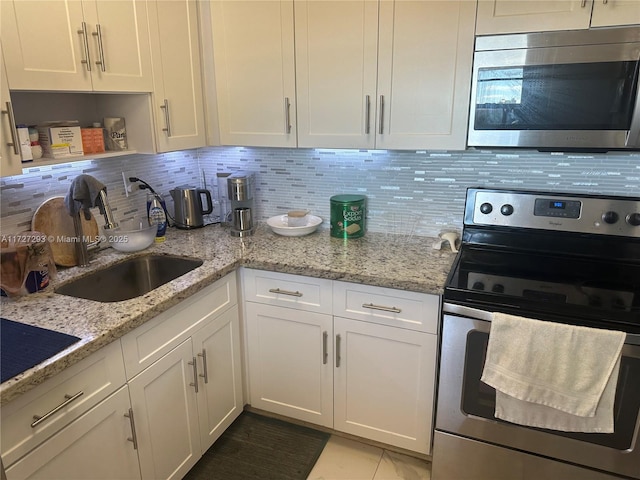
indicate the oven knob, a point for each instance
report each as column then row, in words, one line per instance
column 610, row 217
column 633, row 219
column 486, row 208
column 506, row 209
column 498, row 288
column 478, row 286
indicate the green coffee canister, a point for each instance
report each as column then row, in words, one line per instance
column 348, row 216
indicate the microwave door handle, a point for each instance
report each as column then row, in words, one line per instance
column 633, row 134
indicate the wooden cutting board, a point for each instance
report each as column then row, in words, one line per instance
column 52, row 219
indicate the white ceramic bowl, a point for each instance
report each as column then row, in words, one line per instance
column 132, row 235
column 280, row 225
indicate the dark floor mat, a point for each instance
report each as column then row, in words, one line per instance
column 259, row 447
column 23, row 346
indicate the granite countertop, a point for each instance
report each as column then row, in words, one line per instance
column 375, row 259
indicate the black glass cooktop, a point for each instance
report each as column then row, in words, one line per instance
column 557, row 287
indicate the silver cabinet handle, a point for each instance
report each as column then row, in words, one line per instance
column 98, row 33
column 285, row 292
column 287, row 115
column 134, row 437
column 604, row 2
column 338, row 342
column 85, row 42
column 194, row 384
column 167, row 118
column 381, row 114
column 205, row 373
column 381, row 307
column 583, row 4
column 325, row 353
column 367, row 113
column 12, row 125
column 69, row 398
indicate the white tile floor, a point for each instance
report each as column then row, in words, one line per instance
column 344, row 459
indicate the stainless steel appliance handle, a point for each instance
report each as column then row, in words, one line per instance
column 285, row 292
column 85, row 42
column 205, row 372
column 12, row 125
column 584, row 2
column 69, row 398
column 633, row 134
column 167, row 118
column 381, row 307
column 194, row 384
column 287, row 115
column 325, row 353
column 338, row 342
column 381, row 131
column 98, row 33
column 367, row 114
column 134, row 437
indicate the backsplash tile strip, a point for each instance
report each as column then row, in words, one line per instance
column 429, row 186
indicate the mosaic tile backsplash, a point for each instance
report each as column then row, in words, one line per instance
column 408, row 193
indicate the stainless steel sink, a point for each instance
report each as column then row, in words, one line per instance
column 129, row 279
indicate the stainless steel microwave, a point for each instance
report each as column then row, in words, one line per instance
column 557, row 90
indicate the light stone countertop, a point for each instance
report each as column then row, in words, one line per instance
column 375, row 259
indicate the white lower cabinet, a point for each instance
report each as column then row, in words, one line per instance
column 371, row 375
column 93, row 446
column 166, row 415
column 384, row 381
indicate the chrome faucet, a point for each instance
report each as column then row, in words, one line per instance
column 83, row 191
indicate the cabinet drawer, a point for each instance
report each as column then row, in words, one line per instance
column 94, row 378
column 152, row 340
column 285, row 290
column 387, row 306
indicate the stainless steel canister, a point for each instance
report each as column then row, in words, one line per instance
column 348, row 216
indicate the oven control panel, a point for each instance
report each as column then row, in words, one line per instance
column 611, row 215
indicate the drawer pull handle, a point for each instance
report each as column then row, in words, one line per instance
column 194, row 364
column 14, row 132
column 285, row 292
column 325, row 353
column 205, row 373
column 85, row 43
column 338, row 357
column 381, row 307
column 134, row 437
column 69, row 398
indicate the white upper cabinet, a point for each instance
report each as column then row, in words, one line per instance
column 336, row 69
column 512, row 16
column 10, row 161
column 177, row 91
column 388, row 75
column 615, row 12
column 255, row 72
column 424, row 73
column 67, row 45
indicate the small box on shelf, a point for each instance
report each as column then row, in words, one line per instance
column 116, row 134
column 93, row 139
column 60, row 141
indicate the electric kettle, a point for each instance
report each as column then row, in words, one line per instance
column 188, row 206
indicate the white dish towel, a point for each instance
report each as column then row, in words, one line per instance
column 553, row 375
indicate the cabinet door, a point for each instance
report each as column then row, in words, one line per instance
column 384, row 383
column 177, row 91
column 93, row 446
column 424, row 73
column 290, row 370
column 255, row 72
column 516, row 16
column 220, row 401
column 45, row 44
column 615, row 12
column 10, row 160
column 166, row 415
column 119, row 45
column 336, row 62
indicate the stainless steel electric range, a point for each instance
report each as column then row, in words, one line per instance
column 568, row 258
